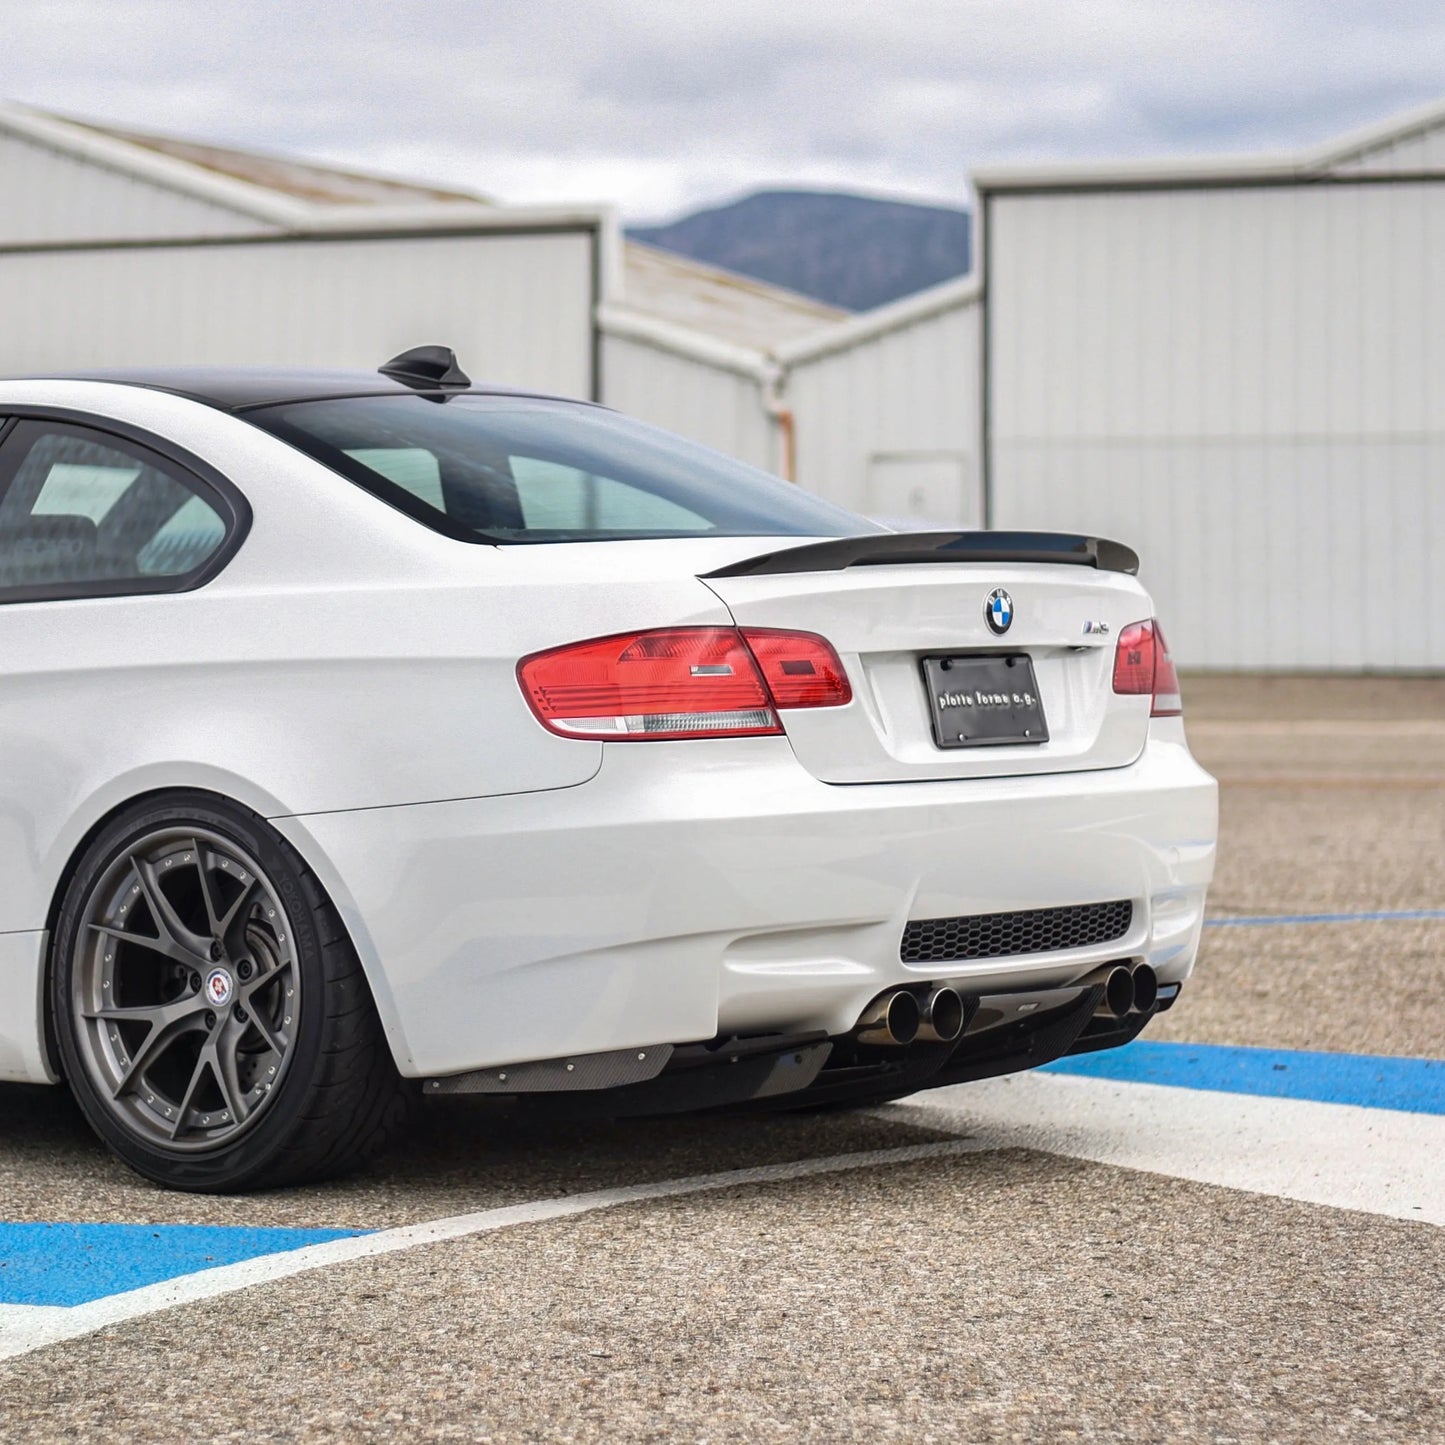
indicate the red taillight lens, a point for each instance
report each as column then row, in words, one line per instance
column 800, row 668
column 1142, row 665
column 1134, row 659
column 685, row 682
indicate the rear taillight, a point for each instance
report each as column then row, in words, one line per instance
column 800, row 669
column 684, row 682
column 1142, row 665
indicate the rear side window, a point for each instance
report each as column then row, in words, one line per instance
column 518, row 469
column 85, row 513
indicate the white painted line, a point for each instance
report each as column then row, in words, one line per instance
column 27, row 1328
column 15, row 1316
column 1379, row 1161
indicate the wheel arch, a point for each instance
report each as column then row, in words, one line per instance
column 296, row 837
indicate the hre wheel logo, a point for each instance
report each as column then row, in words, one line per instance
column 998, row 611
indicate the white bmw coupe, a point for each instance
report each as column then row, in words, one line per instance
column 367, row 736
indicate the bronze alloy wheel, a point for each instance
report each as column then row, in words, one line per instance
column 210, row 1012
column 186, row 989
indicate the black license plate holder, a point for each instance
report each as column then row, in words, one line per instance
column 984, row 701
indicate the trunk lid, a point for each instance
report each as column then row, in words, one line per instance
column 885, row 617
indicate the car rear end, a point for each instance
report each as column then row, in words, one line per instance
column 869, row 813
column 905, row 839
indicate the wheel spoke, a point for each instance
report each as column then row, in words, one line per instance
column 166, row 947
column 167, row 920
column 213, row 920
column 161, row 1036
column 203, row 1063
column 263, row 981
column 246, row 897
column 228, row 1077
column 273, row 1040
column 278, row 1040
column 157, row 1015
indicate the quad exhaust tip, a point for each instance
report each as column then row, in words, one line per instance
column 897, row 1018
column 1146, row 988
column 1126, row 990
column 943, row 1016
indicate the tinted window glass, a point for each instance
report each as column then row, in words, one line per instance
column 81, row 508
column 514, row 469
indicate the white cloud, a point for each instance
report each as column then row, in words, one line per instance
column 661, row 104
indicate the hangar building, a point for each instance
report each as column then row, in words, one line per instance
column 1238, row 365
column 122, row 249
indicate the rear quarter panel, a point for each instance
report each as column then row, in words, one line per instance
column 345, row 659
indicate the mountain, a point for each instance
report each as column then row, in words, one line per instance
column 850, row 251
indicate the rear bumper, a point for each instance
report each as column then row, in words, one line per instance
column 688, row 891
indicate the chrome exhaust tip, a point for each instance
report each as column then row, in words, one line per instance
column 893, row 1019
column 1118, row 985
column 1146, row 988
column 943, row 1016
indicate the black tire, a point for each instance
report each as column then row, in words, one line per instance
column 335, row 1101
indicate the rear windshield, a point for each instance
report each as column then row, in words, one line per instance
column 510, row 469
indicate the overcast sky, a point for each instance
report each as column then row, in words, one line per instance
column 661, row 105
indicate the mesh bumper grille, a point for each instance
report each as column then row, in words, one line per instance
column 1003, row 935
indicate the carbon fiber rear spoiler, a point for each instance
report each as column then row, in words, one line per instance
column 907, row 548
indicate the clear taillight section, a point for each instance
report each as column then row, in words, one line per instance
column 1142, row 665
column 682, row 682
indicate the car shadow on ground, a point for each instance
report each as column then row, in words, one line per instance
column 460, row 1155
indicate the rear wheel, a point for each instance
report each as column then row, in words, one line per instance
column 211, row 1014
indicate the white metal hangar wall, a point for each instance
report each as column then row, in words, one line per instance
column 1239, row 367
column 117, row 252
column 885, row 413
column 516, row 304
column 876, row 412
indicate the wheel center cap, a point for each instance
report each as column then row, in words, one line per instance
column 219, row 987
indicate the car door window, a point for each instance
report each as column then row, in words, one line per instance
column 84, row 512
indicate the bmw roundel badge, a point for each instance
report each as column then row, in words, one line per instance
column 998, row 611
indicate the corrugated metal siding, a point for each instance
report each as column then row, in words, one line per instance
column 719, row 408
column 733, row 308
column 50, row 196
column 1248, row 385
column 515, row 307
column 912, row 392
column 1424, row 150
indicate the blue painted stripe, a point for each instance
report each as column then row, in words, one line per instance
column 72, row 1264
column 1416, row 1086
column 1383, row 916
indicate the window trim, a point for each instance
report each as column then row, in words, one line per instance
column 198, row 476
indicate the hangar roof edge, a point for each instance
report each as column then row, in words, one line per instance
column 1309, row 163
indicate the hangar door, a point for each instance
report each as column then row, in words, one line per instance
column 517, row 307
column 1247, row 383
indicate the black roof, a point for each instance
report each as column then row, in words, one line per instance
column 239, row 388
